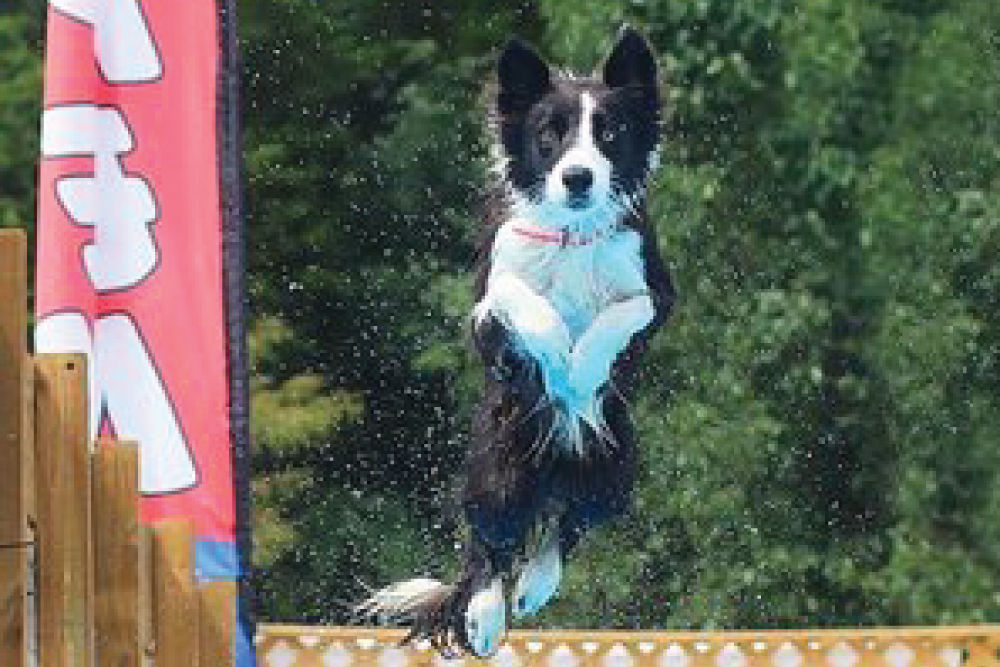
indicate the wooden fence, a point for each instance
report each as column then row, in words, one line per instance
column 977, row 646
column 83, row 583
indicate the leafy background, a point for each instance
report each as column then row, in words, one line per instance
column 819, row 424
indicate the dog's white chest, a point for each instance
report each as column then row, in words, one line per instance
column 578, row 281
column 574, row 286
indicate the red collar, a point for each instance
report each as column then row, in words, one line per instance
column 561, row 237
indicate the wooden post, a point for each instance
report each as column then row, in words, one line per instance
column 981, row 652
column 63, row 507
column 147, row 597
column 118, row 556
column 16, row 497
column 217, row 620
column 176, row 616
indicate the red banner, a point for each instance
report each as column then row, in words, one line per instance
column 130, row 238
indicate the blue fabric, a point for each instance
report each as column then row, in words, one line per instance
column 219, row 561
column 216, row 561
column 243, row 650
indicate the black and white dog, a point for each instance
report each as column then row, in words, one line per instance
column 569, row 289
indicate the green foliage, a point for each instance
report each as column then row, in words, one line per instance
column 296, row 412
column 818, row 420
column 364, row 155
column 21, row 93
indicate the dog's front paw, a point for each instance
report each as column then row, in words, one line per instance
column 548, row 343
column 586, row 377
column 554, row 368
column 586, row 407
column 531, row 319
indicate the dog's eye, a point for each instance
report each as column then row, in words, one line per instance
column 559, row 125
column 605, row 129
column 609, row 133
column 547, row 140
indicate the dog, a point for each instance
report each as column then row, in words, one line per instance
column 570, row 287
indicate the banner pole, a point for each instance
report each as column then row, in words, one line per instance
column 234, row 284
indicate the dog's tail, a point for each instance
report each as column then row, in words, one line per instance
column 469, row 615
column 404, row 600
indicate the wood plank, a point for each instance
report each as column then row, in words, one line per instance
column 981, row 653
column 217, row 621
column 30, row 497
column 117, row 554
column 176, row 616
column 15, row 448
column 925, row 646
column 147, row 600
column 63, row 510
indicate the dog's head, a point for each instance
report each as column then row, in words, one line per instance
column 576, row 151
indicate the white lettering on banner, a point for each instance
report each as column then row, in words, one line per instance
column 124, row 382
column 124, row 47
column 119, row 207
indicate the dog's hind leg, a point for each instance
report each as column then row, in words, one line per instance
column 591, row 490
column 469, row 614
column 597, row 487
column 538, row 581
column 500, row 504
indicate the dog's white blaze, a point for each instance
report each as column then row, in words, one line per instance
column 583, row 153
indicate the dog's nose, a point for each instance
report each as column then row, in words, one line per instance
column 578, row 180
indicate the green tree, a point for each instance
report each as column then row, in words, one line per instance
column 364, row 157
column 21, row 92
column 828, row 208
column 833, row 350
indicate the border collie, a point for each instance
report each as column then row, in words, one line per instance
column 569, row 288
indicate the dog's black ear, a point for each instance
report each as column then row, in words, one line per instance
column 631, row 62
column 523, row 77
